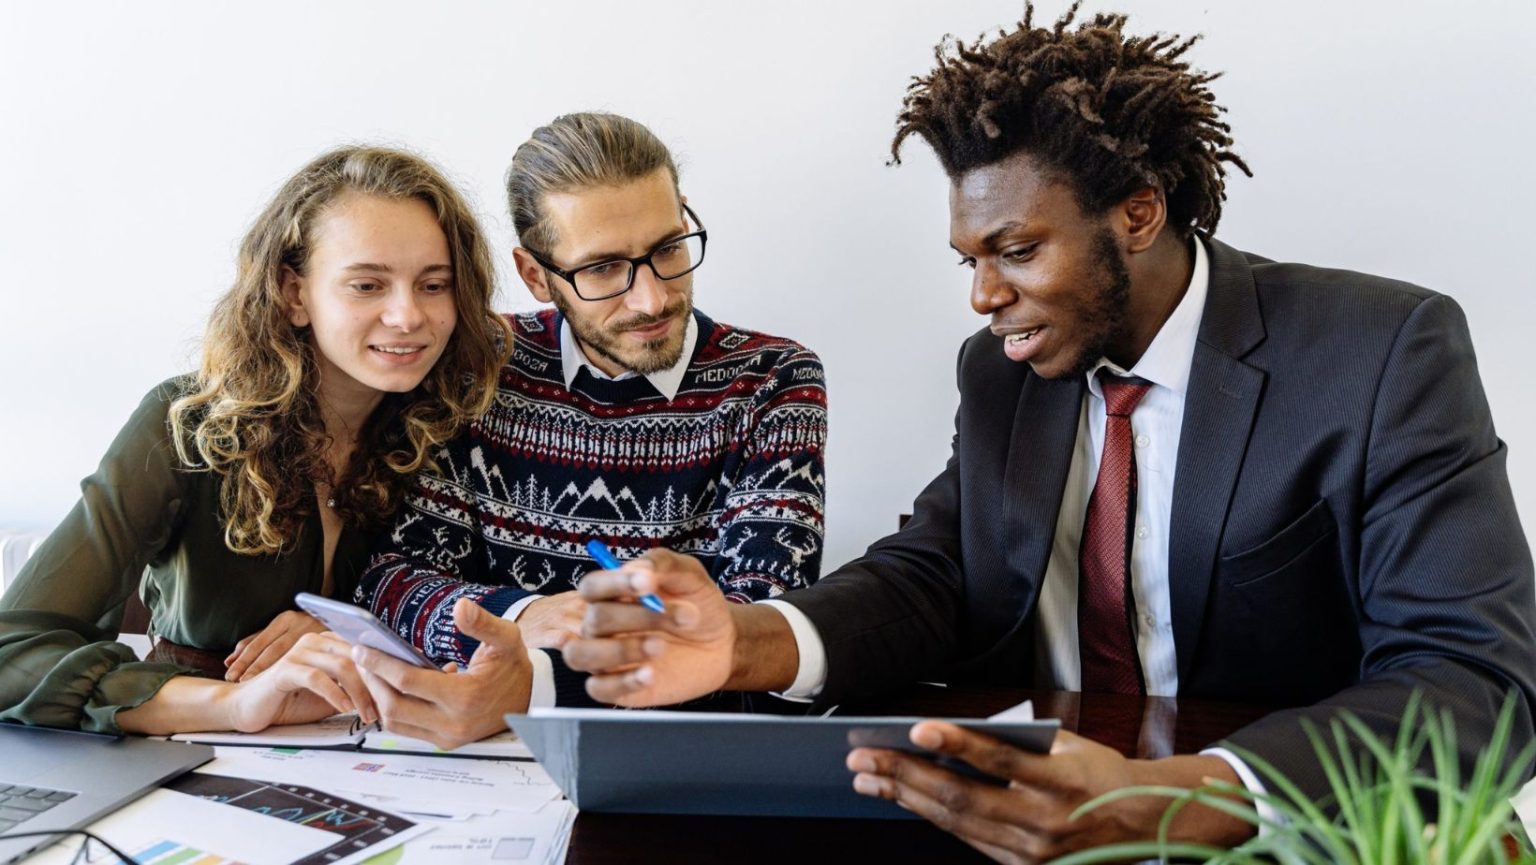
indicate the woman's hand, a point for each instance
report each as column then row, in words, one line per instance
column 262, row 649
column 313, row 680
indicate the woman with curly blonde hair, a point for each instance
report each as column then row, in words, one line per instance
column 357, row 336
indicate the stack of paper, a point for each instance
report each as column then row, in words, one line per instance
column 539, row 838
column 500, row 807
column 400, row 782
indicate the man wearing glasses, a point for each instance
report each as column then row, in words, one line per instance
column 624, row 415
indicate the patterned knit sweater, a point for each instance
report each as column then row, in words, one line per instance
column 729, row 471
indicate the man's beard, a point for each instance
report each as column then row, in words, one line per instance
column 1106, row 310
column 653, row 356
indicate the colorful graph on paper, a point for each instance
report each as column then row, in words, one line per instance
column 357, row 826
column 173, row 853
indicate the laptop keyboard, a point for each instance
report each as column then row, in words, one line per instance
column 19, row 803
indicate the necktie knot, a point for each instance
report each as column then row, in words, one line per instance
column 1121, row 395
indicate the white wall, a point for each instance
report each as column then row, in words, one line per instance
column 138, row 139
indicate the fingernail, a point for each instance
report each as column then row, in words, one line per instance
column 358, row 654
column 861, row 763
column 644, row 675
column 868, row 785
column 686, row 616
column 653, row 646
column 925, row 737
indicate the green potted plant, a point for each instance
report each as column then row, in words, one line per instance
column 1374, row 813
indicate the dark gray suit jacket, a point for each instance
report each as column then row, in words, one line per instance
column 1343, row 530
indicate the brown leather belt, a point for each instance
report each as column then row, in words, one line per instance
column 209, row 665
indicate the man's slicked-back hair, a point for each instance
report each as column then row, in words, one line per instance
column 577, row 151
column 1107, row 112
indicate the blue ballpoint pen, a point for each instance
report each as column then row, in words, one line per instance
column 603, row 556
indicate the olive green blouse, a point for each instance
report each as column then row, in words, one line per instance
column 144, row 522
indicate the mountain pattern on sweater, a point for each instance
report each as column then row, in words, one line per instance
column 730, row 471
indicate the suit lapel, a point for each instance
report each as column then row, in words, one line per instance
column 1039, row 454
column 1219, row 409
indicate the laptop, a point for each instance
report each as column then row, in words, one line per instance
column 64, row 779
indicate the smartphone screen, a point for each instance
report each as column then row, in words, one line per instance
column 359, row 627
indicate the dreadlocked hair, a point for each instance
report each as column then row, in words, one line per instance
column 1111, row 113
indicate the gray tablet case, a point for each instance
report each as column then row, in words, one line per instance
column 727, row 764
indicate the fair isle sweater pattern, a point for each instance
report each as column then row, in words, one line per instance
column 730, row 471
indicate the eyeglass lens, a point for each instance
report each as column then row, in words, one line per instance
column 670, row 260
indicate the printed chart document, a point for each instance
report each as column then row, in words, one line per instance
column 402, row 782
column 167, row 826
column 357, row 831
column 713, row 763
column 540, row 838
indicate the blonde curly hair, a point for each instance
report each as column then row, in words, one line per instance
column 252, row 414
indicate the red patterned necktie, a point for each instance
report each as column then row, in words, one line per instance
column 1105, row 637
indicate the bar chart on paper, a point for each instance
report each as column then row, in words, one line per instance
column 168, row 853
column 165, row 827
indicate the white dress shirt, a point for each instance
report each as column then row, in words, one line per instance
column 667, row 381
column 572, row 359
column 1155, row 426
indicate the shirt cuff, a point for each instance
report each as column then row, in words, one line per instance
column 812, row 675
column 518, row 606
column 542, row 695
column 1268, row 816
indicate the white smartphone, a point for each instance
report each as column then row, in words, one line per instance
column 359, row 627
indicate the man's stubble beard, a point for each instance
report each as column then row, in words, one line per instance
column 654, row 356
column 1108, row 307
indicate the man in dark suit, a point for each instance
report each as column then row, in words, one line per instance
column 1178, row 469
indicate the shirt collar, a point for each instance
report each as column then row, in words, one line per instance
column 668, row 381
column 1167, row 361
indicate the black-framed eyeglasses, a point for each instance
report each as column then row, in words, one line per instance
column 672, row 258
